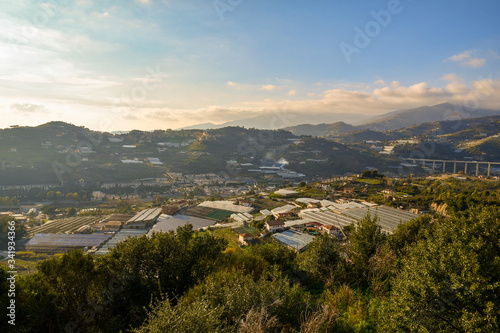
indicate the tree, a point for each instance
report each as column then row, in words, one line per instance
column 5, row 227
column 71, row 211
column 450, row 281
column 409, row 233
column 219, row 303
column 166, row 263
column 123, row 207
column 321, row 258
column 365, row 239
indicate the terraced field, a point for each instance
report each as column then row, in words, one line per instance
column 64, row 226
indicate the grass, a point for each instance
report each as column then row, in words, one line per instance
column 245, row 230
column 264, row 203
column 26, row 262
column 219, row 215
column 230, row 236
column 369, row 181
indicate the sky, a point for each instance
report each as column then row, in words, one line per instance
column 160, row 64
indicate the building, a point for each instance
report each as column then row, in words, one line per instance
column 56, row 243
column 332, row 231
column 294, row 239
column 169, row 209
column 245, row 203
column 113, row 225
column 144, row 219
column 286, row 193
column 245, row 238
column 274, row 226
column 283, row 211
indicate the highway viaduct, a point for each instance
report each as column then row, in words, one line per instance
column 466, row 164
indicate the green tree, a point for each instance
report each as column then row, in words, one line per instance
column 123, row 207
column 6, row 225
column 364, row 240
column 321, row 258
column 71, row 211
column 220, row 302
column 409, row 233
column 450, row 281
column 166, row 263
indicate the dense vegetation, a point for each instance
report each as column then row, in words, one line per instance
column 429, row 276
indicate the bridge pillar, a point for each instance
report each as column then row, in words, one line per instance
column 465, row 168
column 433, row 165
column 454, row 167
column 489, row 169
column 444, row 166
column 477, row 169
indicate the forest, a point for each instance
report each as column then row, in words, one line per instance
column 428, row 276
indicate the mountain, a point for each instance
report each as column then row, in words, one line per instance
column 203, row 126
column 279, row 120
column 321, row 130
column 425, row 114
column 453, row 130
column 62, row 153
column 365, row 135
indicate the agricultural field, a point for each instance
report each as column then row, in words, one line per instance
column 245, row 230
column 64, row 226
column 219, row 215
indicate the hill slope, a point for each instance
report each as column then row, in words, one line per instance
column 425, row 114
column 321, row 130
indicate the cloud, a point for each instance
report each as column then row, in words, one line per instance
column 146, row 2
column 451, row 77
column 233, row 85
column 381, row 82
column 465, row 59
column 395, row 84
column 292, row 93
column 29, row 108
column 270, row 87
column 475, row 62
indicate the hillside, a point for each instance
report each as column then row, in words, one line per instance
column 321, row 130
column 425, row 114
column 281, row 120
column 57, row 152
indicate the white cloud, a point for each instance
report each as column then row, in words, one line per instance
column 29, row 108
column 270, row 87
column 475, row 62
column 146, row 2
column 381, row 82
column 233, row 85
column 465, row 59
column 395, row 84
column 292, row 93
column 451, row 77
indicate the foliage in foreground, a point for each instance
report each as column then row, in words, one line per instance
column 426, row 277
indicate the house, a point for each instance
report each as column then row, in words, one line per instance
column 313, row 205
column 169, row 209
column 332, row 231
column 274, row 226
column 245, row 238
column 283, row 211
column 313, row 225
column 113, row 225
column 245, row 203
column 389, row 191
